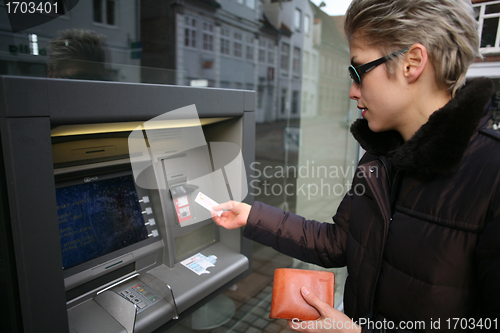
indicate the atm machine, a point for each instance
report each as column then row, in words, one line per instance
column 103, row 186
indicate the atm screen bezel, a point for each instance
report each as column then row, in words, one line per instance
column 78, row 177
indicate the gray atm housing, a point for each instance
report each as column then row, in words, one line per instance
column 44, row 298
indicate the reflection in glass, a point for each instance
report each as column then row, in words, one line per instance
column 489, row 33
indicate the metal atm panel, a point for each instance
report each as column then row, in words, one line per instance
column 78, row 119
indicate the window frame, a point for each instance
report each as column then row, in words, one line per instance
column 238, row 44
column 104, row 14
column 482, row 16
column 270, row 52
column 297, row 19
column 296, row 61
column 225, row 41
column 285, row 58
column 307, row 24
column 207, row 36
column 190, row 35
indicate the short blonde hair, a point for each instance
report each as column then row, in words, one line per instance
column 447, row 29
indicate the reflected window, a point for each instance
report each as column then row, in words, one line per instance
column 208, row 36
column 262, row 55
column 237, row 49
column 313, row 64
column 285, row 57
column 297, row 19
column 283, row 101
column 306, row 63
column 307, row 25
column 238, row 46
column 262, row 50
column 250, row 53
column 190, row 32
column 295, row 101
column 296, row 61
column 249, row 48
column 224, row 41
column 33, row 38
column 488, row 16
column 270, row 53
column 304, row 102
column 260, row 96
column 105, row 11
column 250, row 4
column 489, row 32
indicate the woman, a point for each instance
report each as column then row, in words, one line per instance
column 422, row 241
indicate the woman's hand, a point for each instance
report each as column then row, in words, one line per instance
column 235, row 215
column 331, row 320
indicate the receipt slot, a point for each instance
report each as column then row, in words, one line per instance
column 111, row 247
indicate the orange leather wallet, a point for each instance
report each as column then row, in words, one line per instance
column 288, row 303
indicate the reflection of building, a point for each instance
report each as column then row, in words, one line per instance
column 288, row 18
column 278, row 49
column 267, row 57
column 333, row 81
column 117, row 21
column 309, row 105
column 488, row 15
column 208, row 43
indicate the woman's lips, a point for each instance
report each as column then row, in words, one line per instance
column 363, row 111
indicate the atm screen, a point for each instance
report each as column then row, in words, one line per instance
column 97, row 218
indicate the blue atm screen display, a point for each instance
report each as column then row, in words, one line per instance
column 98, row 218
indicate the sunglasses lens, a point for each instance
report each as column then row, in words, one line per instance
column 354, row 75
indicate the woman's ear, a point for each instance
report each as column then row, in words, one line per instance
column 415, row 61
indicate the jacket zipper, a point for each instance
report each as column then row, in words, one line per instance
column 386, row 230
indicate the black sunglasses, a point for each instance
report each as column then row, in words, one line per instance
column 356, row 72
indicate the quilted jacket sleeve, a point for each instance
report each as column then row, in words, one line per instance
column 488, row 266
column 318, row 243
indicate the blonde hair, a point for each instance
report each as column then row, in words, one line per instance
column 447, row 29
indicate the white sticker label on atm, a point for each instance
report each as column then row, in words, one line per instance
column 206, row 202
column 182, row 201
column 199, row 263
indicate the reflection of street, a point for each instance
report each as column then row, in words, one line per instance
column 330, row 150
column 311, row 181
column 270, row 153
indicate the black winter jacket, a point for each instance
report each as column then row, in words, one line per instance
column 419, row 230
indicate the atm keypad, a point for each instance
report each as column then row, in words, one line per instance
column 140, row 295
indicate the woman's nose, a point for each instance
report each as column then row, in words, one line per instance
column 354, row 92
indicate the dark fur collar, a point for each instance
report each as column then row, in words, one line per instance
column 439, row 145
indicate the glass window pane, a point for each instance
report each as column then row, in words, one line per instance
column 295, row 102
column 297, row 19
column 110, row 12
column 489, row 33
column 307, row 23
column 477, row 12
column 97, row 10
column 492, row 9
column 270, row 57
column 141, row 46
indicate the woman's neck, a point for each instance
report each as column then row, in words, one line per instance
column 422, row 108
